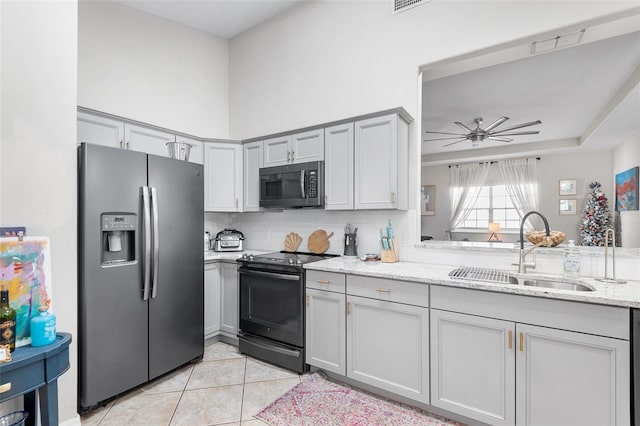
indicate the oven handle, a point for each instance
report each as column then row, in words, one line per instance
column 270, row 275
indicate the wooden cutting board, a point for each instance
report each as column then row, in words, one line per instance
column 292, row 241
column 318, row 241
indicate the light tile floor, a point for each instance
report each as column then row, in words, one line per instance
column 226, row 388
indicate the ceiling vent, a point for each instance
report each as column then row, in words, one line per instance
column 402, row 5
column 557, row 42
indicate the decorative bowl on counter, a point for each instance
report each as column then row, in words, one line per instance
column 537, row 237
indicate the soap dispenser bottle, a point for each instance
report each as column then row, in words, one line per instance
column 571, row 260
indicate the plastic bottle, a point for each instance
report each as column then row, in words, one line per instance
column 43, row 328
column 7, row 320
column 571, row 260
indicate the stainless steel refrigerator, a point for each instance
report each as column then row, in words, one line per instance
column 141, row 269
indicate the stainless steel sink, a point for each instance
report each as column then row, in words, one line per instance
column 498, row 276
column 562, row 285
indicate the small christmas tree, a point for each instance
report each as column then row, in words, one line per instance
column 596, row 217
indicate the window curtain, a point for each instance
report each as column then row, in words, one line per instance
column 466, row 181
column 520, row 178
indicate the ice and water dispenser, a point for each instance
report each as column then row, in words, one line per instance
column 118, row 238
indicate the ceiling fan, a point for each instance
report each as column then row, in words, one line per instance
column 489, row 133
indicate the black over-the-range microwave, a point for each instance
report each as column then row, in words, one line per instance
column 292, row 185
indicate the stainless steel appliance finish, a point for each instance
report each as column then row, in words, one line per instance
column 292, row 185
column 141, row 317
column 635, row 366
column 272, row 310
column 228, row 240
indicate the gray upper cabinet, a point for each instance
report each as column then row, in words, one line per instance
column 253, row 158
column 296, row 148
column 338, row 167
column 381, row 163
column 118, row 133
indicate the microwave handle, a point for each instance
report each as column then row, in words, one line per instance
column 302, row 188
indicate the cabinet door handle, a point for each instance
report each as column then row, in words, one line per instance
column 348, row 308
column 383, row 290
column 307, row 300
column 324, row 281
column 521, row 342
column 293, row 155
column 5, row 387
column 236, row 203
column 127, row 144
column 510, row 339
column 121, row 142
column 289, row 156
column 393, row 197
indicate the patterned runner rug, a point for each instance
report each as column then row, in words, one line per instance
column 318, row 400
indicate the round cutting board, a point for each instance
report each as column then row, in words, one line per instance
column 318, row 241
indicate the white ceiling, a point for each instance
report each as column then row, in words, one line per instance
column 587, row 97
column 223, row 18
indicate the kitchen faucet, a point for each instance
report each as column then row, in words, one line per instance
column 522, row 265
column 606, row 278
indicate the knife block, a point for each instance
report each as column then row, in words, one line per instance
column 390, row 256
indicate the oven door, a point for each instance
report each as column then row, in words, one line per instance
column 272, row 304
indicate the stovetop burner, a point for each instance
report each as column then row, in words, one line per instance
column 286, row 258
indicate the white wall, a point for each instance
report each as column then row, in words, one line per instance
column 585, row 167
column 146, row 68
column 625, row 156
column 38, row 139
column 328, row 60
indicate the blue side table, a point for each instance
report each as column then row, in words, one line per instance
column 36, row 369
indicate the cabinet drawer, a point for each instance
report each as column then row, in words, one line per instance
column 22, row 379
column 391, row 290
column 329, row 281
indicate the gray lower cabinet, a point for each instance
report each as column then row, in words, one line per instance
column 473, row 366
column 229, row 299
column 325, row 330
column 568, row 378
column 507, row 371
column 221, row 300
column 388, row 346
column 211, row 299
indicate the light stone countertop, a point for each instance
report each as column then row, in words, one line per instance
column 623, row 295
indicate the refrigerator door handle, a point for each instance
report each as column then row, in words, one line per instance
column 147, row 241
column 156, row 243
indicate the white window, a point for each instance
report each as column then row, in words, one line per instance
column 493, row 205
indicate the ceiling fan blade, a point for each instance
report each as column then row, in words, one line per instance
column 444, row 139
column 496, row 123
column 453, row 143
column 528, row 132
column 463, row 126
column 446, row 133
column 518, row 126
column 493, row 138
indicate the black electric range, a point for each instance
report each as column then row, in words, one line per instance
column 272, row 308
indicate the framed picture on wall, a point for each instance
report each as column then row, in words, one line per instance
column 567, row 187
column 568, row 207
column 627, row 190
column 428, row 200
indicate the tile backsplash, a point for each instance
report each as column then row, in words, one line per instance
column 267, row 230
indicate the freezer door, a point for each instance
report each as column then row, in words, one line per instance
column 112, row 315
column 176, row 306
